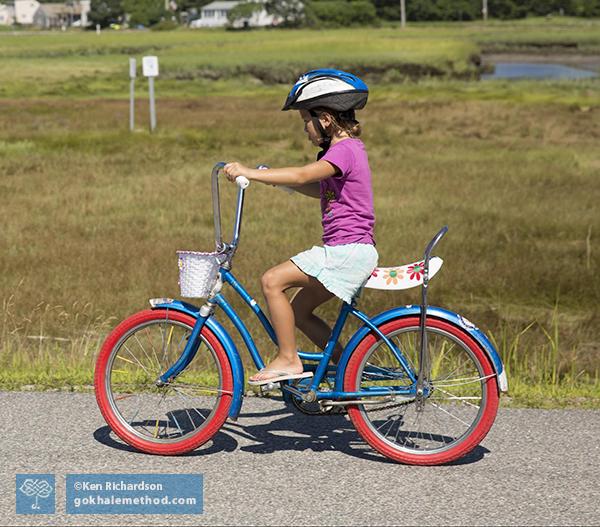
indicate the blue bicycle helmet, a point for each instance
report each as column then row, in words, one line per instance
column 330, row 89
column 327, row 88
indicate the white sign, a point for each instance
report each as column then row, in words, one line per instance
column 132, row 68
column 150, row 66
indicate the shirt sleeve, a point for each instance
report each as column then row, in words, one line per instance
column 341, row 157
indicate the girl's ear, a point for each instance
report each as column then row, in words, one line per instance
column 325, row 120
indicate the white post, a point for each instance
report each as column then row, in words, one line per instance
column 484, row 10
column 98, row 29
column 132, row 75
column 150, row 69
column 152, row 105
column 402, row 14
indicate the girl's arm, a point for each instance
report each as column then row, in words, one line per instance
column 310, row 189
column 291, row 176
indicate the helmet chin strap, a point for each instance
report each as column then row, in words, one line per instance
column 325, row 140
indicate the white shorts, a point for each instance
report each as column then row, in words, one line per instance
column 342, row 269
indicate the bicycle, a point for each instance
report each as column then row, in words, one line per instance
column 421, row 384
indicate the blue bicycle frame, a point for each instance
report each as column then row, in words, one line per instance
column 412, row 381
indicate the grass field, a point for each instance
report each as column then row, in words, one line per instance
column 93, row 214
column 83, row 64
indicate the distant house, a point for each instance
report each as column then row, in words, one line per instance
column 72, row 13
column 215, row 15
column 7, row 15
column 24, row 11
column 59, row 15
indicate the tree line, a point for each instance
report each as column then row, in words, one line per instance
column 335, row 13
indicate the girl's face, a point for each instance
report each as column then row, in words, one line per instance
column 309, row 127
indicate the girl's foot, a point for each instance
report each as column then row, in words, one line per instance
column 277, row 368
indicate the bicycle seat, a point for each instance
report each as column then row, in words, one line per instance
column 403, row 276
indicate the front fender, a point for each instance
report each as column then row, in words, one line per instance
column 235, row 361
column 436, row 312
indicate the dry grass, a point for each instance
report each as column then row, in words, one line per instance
column 94, row 214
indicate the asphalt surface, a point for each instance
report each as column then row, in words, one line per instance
column 277, row 467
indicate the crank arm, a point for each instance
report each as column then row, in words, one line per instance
column 293, row 390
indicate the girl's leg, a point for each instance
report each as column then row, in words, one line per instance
column 274, row 284
column 316, row 329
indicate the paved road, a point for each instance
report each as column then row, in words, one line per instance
column 275, row 467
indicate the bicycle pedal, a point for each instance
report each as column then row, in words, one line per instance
column 269, row 387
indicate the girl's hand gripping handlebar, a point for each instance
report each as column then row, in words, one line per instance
column 243, row 182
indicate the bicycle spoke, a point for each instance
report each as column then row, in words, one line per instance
column 390, row 420
column 144, row 352
column 123, row 358
column 448, row 413
column 407, row 355
column 453, row 397
column 166, row 346
column 181, row 394
column 134, row 416
column 203, row 388
column 177, row 423
column 137, row 360
column 464, row 381
column 153, row 351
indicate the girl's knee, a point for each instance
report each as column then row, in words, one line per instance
column 270, row 282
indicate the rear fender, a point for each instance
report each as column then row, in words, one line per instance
column 436, row 312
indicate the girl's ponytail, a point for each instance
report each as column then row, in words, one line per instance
column 354, row 130
column 342, row 122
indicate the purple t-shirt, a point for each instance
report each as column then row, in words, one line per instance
column 347, row 198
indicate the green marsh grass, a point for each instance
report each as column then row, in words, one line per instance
column 83, row 64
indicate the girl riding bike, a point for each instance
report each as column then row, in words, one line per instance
column 341, row 178
column 420, row 383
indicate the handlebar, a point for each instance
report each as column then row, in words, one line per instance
column 242, row 183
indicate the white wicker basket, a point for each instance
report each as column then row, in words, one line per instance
column 197, row 273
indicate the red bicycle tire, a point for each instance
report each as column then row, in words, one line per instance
column 190, row 443
column 352, row 382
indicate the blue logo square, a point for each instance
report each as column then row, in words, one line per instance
column 35, row 494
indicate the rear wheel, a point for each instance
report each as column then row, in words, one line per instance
column 461, row 396
column 170, row 419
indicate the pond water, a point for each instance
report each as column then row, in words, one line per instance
column 524, row 70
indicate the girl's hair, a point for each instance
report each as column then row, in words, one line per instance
column 342, row 121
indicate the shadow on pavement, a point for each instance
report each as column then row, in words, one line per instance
column 221, row 442
column 296, row 431
column 287, row 430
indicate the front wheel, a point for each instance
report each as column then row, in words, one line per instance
column 178, row 416
column 461, row 395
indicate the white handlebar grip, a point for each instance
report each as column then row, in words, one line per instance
column 242, row 182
